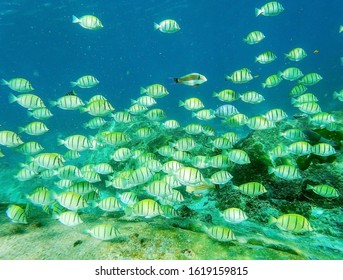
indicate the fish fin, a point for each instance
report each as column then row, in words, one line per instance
column 60, row 142
column 272, row 220
column 258, row 12
column 156, row 26
column 4, row 82
column 75, row 19
column 12, row 98
column 53, row 103
column 227, row 78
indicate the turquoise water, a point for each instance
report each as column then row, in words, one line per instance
column 42, row 45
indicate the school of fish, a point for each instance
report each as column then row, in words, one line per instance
column 173, row 165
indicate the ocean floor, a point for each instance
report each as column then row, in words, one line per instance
column 155, row 239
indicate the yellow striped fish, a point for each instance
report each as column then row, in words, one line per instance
column 234, row 215
column 49, row 160
column 10, row 139
column 40, row 114
column 68, row 102
column 291, row 222
column 147, row 208
column 69, row 218
column 41, row 197
column 28, row 101
column 104, row 232
column 265, row 57
column 310, row 79
column 252, row 189
column 154, row 91
column 189, row 176
column 18, row 84
column 16, row 214
column 296, row 54
column 254, row 37
column 220, row 233
column 167, row 26
column 98, row 108
column 323, row 149
column 324, row 190
column 109, row 204
column 88, row 22
column 287, row 172
column 272, row 81
column 140, row 176
column 71, row 200
column 240, row 76
column 291, row 74
column 87, row 81
column 34, row 128
column 272, row 8
column 75, row 142
column 192, row 104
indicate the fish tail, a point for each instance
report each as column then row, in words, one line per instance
column 272, row 220
column 227, row 78
column 4, row 82
column 176, row 80
column 264, row 85
column 309, row 187
column 258, row 12
column 73, row 84
column 21, row 129
column 293, row 101
column 335, row 95
column 75, row 19
column 270, row 170
column 142, row 90
column 12, row 98
column 181, row 103
column 156, row 26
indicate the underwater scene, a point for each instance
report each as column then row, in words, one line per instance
column 171, row 130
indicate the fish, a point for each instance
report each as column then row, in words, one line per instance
column 71, row 200
column 251, row 189
column 204, row 114
column 34, row 128
column 192, row 104
column 171, row 124
column 192, row 79
column 291, row 74
column 68, row 218
column 340, row 28
column 95, row 123
column 88, row 22
column 315, row 51
column 10, row 139
column 68, row 102
column 324, row 190
column 220, row 233
column 154, row 91
column 323, row 149
column 87, row 81
column 40, row 114
column 158, row 189
column 200, row 189
column 307, row 97
column 189, row 176
column 275, row 115
column 41, row 197
column 240, row 76
column 155, row 114
column 291, row 222
column 238, row 156
column 121, row 154
column 265, row 57
column 293, row 134
column 28, row 101
column 254, row 37
column 98, row 108
column 167, row 26
column 297, row 90
column 226, row 95
column 147, row 208
column 75, row 142
column 144, row 100
column 308, row 107
column 184, row 144
column 49, row 160
column 18, row 84
column 236, row 120
column 221, row 177
column 296, row 54
column 234, row 215
column 310, row 79
column 286, row 172
column 252, row 97
column 272, row 81
column 16, row 214
column 300, row 148
column 140, row 176
column 109, row 204
column 225, row 111
column 193, row 128
column 259, row 123
column 272, row 8
column 103, row 168
column 128, row 198
column 104, row 232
